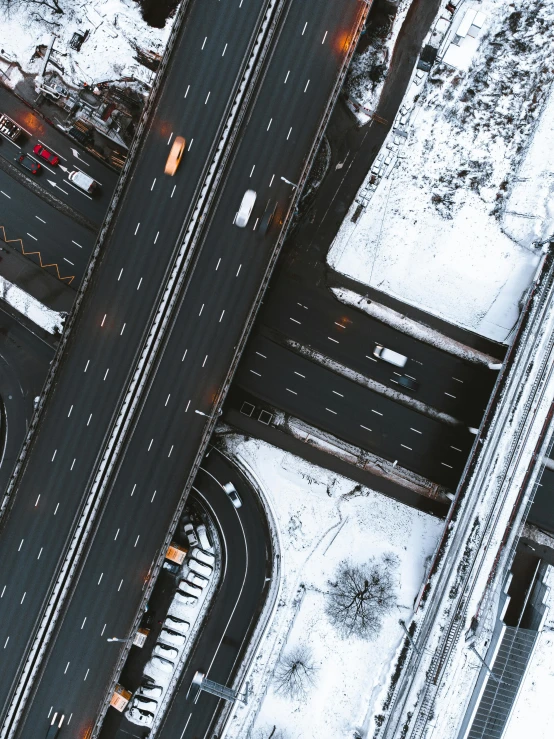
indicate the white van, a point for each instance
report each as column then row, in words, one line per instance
column 82, row 181
column 387, row 355
column 243, row 213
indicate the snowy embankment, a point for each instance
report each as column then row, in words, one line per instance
column 47, row 319
column 115, row 27
column 534, row 706
column 323, row 519
column 435, row 233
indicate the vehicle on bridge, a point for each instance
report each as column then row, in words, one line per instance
column 388, row 355
column 245, row 209
column 83, row 181
column 55, row 726
column 42, row 152
column 175, row 155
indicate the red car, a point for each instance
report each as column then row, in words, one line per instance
column 42, row 152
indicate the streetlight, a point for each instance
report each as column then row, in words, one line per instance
column 216, row 413
column 114, row 638
column 289, row 182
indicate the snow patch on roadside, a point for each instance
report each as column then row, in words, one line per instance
column 44, row 317
column 323, row 519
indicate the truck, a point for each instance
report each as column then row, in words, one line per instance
column 9, row 128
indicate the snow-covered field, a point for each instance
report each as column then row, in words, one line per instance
column 323, row 519
column 116, row 29
column 434, row 234
column 533, row 713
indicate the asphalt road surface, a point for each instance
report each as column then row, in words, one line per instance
column 351, row 412
column 102, row 352
column 72, row 157
column 48, row 236
column 197, row 354
column 24, row 360
column 314, row 317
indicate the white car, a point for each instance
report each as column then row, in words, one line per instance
column 145, row 704
column 188, row 528
column 158, row 663
column 205, row 557
column 177, row 624
column 197, row 581
column 138, row 716
column 231, row 491
column 172, row 638
column 150, row 691
column 165, row 651
column 203, row 538
column 199, row 569
column 181, row 599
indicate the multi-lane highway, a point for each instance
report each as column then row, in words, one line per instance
column 42, row 233
column 351, row 412
column 196, row 357
column 114, row 315
column 313, row 317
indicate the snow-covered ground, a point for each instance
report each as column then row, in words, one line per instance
column 322, row 519
column 434, row 234
column 44, row 317
column 116, row 29
column 534, row 709
column 359, row 86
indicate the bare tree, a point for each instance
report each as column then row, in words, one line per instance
column 361, row 596
column 295, row 673
column 273, row 733
column 54, row 6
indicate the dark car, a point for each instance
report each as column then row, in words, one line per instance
column 42, row 151
column 408, row 382
column 268, row 216
column 28, row 163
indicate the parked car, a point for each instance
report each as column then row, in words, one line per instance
column 138, row 716
column 159, row 663
column 150, row 691
column 190, row 533
column 173, row 638
column 42, row 152
column 145, row 704
column 206, row 558
column 233, row 495
column 165, row 651
column 203, row 538
column 28, row 163
column 196, row 581
column 200, row 569
column 173, row 623
column 185, row 599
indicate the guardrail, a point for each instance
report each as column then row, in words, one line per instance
column 486, row 505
